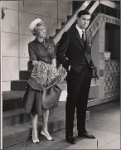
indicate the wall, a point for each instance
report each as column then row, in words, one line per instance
column 112, row 78
column 98, row 48
column 15, row 34
column 107, row 39
column 9, row 43
column 113, row 41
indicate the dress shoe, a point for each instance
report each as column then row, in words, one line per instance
column 71, row 140
column 48, row 137
column 86, row 134
column 35, row 140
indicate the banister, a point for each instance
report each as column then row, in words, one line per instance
column 101, row 19
column 71, row 21
column 94, row 26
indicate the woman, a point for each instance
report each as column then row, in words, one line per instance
column 43, row 56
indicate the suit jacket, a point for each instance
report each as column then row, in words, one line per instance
column 72, row 51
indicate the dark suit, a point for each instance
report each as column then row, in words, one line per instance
column 74, row 52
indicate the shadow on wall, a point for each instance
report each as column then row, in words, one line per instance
column 112, row 40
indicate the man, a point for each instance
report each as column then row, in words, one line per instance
column 74, row 52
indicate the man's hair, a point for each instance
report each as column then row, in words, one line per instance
column 83, row 12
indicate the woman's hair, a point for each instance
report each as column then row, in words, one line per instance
column 35, row 30
column 83, row 12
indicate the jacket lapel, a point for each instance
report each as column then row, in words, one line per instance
column 76, row 33
column 87, row 40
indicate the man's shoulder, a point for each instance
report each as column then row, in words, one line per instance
column 68, row 32
column 89, row 33
column 65, row 34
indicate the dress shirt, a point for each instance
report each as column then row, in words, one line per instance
column 79, row 30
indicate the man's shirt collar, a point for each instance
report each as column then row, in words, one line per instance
column 79, row 30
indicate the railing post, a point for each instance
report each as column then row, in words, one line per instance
column 57, row 14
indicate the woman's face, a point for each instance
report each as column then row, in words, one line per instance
column 41, row 31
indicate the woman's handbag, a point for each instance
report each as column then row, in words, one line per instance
column 50, row 97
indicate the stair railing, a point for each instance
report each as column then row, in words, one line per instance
column 71, row 21
column 94, row 26
column 95, row 5
column 101, row 19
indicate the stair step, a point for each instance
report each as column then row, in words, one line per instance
column 16, row 134
column 17, row 124
column 14, row 117
column 30, row 66
column 57, row 30
column 24, row 74
column 18, row 116
column 18, row 85
column 63, row 23
column 21, row 133
column 12, row 100
column 68, row 17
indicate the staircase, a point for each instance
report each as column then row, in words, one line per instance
column 17, row 124
column 93, row 7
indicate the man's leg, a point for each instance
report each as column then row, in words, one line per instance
column 70, row 107
column 82, row 103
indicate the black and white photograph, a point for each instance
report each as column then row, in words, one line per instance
column 60, row 74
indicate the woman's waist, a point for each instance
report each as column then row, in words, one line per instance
column 45, row 60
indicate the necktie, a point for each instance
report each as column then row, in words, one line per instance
column 83, row 36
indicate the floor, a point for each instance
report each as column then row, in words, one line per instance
column 104, row 123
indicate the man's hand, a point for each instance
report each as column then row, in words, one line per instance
column 94, row 74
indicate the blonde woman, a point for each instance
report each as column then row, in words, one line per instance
column 41, row 51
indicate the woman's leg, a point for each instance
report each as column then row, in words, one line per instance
column 45, row 120
column 45, row 125
column 34, row 127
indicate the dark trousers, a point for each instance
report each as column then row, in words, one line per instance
column 78, row 86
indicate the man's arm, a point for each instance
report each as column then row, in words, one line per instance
column 92, row 65
column 62, row 49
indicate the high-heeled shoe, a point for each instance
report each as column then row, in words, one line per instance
column 48, row 138
column 35, row 141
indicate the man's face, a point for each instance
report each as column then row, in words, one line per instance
column 83, row 21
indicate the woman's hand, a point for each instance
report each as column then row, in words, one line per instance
column 34, row 62
column 54, row 62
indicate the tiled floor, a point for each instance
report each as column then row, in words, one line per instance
column 104, row 123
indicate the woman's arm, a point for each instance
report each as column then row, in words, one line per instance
column 32, row 55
